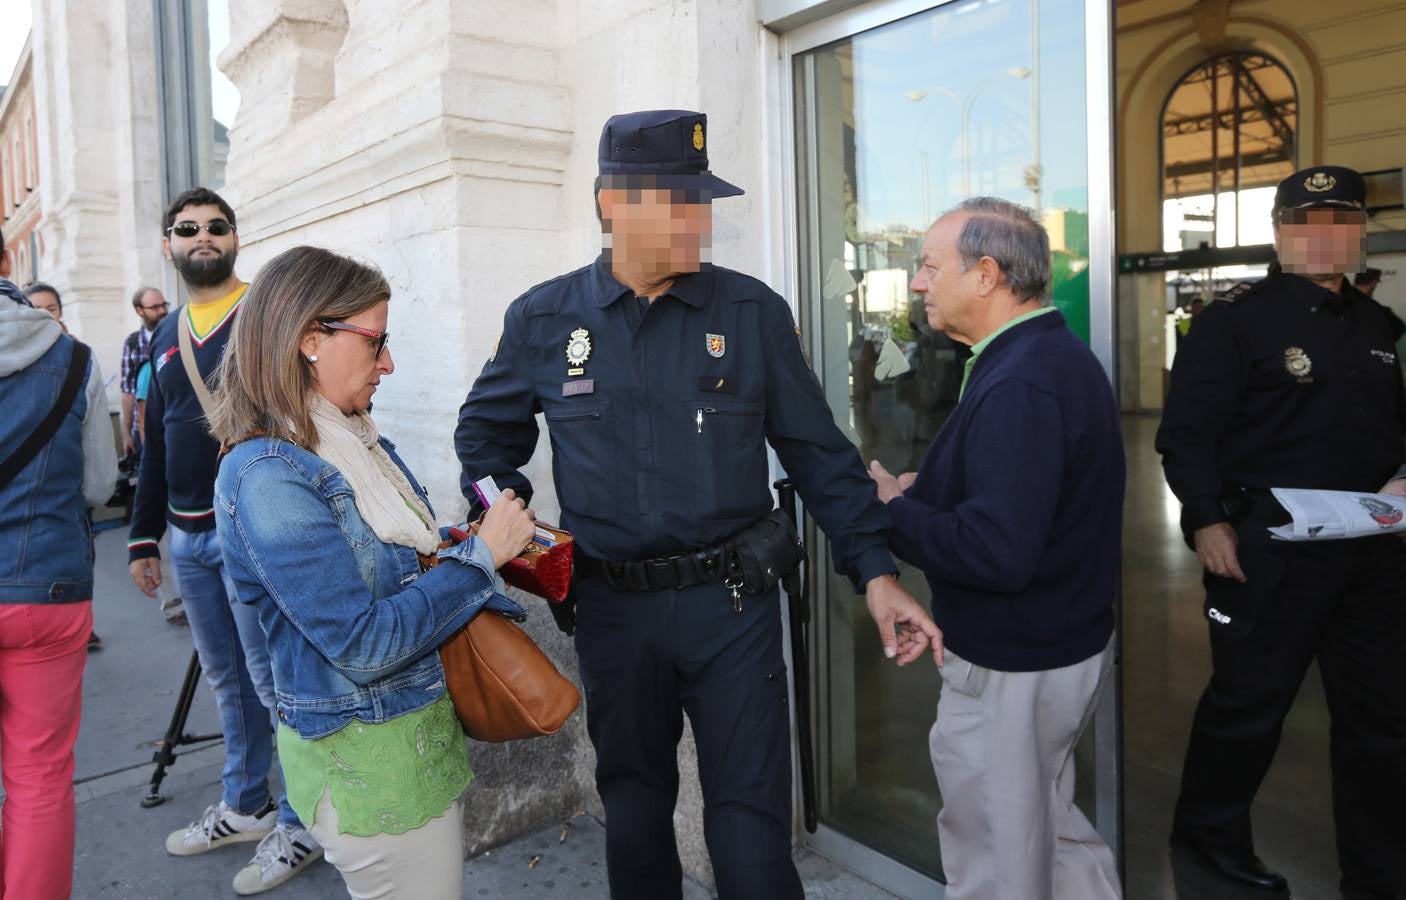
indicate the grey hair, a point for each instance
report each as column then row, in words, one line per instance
column 1010, row 234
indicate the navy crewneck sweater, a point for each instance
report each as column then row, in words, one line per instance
column 1016, row 514
column 176, row 484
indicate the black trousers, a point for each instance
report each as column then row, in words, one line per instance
column 1343, row 602
column 646, row 660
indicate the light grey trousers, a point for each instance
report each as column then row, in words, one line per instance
column 1003, row 752
column 426, row 863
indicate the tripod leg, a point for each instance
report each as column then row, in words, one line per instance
column 165, row 754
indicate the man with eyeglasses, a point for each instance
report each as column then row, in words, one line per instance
column 151, row 308
column 1293, row 382
column 176, row 487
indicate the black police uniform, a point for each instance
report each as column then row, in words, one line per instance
column 1286, row 384
column 659, row 415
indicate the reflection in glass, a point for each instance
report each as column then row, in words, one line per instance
column 895, row 126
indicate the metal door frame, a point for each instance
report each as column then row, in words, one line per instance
column 819, row 22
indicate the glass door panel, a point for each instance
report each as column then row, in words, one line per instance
column 894, row 125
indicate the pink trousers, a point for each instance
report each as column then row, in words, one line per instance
column 43, row 648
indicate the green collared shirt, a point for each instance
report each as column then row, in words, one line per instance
column 986, row 341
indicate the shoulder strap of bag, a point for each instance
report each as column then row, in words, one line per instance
column 72, row 382
column 202, row 390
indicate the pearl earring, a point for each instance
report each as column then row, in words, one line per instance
column 312, row 359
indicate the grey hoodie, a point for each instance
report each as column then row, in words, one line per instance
column 27, row 334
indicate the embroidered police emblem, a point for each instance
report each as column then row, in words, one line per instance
column 698, row 136
column 578, row 348
column 717, row 345
column 1319, row 182
column 1297, row 362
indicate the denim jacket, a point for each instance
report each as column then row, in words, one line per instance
column 46, row 550
column 353, row 626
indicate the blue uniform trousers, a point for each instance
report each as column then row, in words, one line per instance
column 648, row 658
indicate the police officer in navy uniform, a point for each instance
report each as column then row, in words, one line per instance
column 1294, row 382
column 662, row 378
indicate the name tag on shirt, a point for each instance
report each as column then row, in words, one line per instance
column 716, row 384
column 577, row 388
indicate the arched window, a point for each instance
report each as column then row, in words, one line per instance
column 1228, row 137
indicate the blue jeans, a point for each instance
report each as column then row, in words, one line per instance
column 234, row 657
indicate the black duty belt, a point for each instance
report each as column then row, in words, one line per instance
column 661, row 573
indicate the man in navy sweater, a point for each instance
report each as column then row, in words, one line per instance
column 175, row 487
column 1016, row 518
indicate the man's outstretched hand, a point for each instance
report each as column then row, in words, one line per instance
column 904, row 628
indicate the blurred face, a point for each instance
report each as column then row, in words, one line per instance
column 152, row 308
column 951, row 297
column 657, row 230
column 47, row 302
column 1321, row 243
column 348, row 368
column 203, row 259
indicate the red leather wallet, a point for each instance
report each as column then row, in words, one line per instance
column 541, row 570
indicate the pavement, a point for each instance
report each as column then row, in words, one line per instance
column 130, row 689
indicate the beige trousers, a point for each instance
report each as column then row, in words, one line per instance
column 424, row 864
column 1003, row 751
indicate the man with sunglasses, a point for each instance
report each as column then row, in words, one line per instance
column 176, row 487
column 1294, row 383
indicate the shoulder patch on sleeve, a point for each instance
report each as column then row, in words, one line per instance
column 1232, row 294
column 802, row 342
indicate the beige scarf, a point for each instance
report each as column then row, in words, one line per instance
column 384, row 497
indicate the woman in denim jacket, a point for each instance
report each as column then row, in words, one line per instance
column 323, row 528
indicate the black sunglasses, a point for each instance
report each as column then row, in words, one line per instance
column 378, row 338
column 216, row 227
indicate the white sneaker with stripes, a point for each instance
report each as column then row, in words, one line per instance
column 283, row 853
column 220, row 825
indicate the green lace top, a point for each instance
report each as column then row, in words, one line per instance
column 386, row 778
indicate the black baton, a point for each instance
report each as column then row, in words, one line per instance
column 796, row 586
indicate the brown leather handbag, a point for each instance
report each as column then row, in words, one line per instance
column 503, row 687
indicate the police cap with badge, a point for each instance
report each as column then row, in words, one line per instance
column 660, row 148
column 668, row 149
column 1321, row 187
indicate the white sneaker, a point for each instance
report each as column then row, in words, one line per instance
column 220, row 825
column 283, row 853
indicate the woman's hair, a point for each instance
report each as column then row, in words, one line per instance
column 264, row 380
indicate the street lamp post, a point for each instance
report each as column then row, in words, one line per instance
column 966, row 104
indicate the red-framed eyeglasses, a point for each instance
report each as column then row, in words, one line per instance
column 378, row 338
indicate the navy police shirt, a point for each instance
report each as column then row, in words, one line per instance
column 1284, row 384
column 659, row 414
